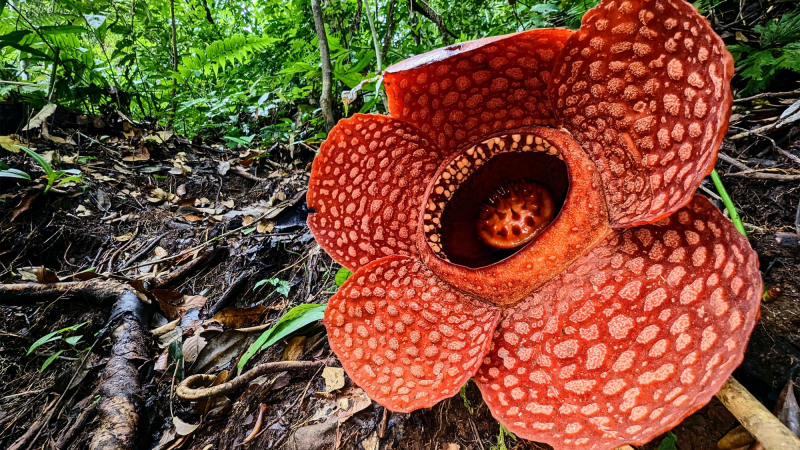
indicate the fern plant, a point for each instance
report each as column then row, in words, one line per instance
column 779, row 50
column 219, row 53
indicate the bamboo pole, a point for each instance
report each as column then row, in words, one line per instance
column 761, row 423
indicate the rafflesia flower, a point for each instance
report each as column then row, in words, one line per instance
column 526, row 215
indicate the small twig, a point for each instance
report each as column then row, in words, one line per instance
column 760, row 175
column 726, row 199
column 185, row 390
column 117, row 252
column 789, row 155
column 238, row 170
column 732, row 161
column 797, row 219
column 66, row 437
column 766, row 95
column 204, row 244
column 143, row 251
column 227, row 297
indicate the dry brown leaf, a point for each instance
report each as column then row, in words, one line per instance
column 139, row 154
column 334, row 378
column 10, row 143
column 192, row 218
column 125, row 237
column 248, row 220
column 40, row 117
column 240, row 317
column 174, row 304
column 24, row 204
column 44, row 275
column 265, row 226
column 160, row 252
column 294, row 349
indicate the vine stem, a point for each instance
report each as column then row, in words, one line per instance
column 726, row 199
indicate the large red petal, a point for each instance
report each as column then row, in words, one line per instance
column 632, row 338
column 366, row 186
column 460, row 93
column 645, row 87
column 406, row 337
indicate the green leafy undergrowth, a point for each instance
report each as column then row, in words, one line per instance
column 297, row 318
column 53, row 175
column 501, row 439
column 57, row 336
column 778, row 50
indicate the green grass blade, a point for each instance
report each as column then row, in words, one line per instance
column 726, row 199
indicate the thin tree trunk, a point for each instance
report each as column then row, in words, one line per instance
column 356, row 23
column 374, row 34
column 325, row 100
column 174, row 60
column 390, row 24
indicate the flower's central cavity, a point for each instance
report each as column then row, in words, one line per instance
column 515, row 214
column 491, row 199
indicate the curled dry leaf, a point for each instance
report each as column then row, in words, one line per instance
column 174, row 304
column 240, row 317
column 334, row 378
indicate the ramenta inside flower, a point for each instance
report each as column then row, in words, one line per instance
column 492, row 198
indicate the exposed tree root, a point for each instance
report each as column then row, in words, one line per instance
column 187, row 391
column 119, row 387
column 762, row 424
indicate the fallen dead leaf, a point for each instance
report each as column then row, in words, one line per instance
column 240, row 317
column 294, row 348
column 220, row 350
column 334, row 378
column 10, row 143
column 160, row 252
column 125, row 237
column 44, row 275
column 24, row 204
column 174, row 304
column 265, row 226
column 40, row 117
column 139, row 154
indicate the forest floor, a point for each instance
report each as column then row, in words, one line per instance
column 150, row 203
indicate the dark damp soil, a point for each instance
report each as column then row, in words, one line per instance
column 128, row 213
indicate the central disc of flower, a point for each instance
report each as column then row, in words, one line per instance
column 515, row 214
column 489, row 200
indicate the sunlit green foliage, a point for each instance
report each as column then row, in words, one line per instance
column 253, row 68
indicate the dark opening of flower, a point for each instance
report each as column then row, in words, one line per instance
column 572, row 271
column 515, row 214
column 475, row 216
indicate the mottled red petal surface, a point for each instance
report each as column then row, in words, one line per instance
column 366, row 186
column 406, row 337
column 581, row 224
column 460, row 93
column 645, row 87
column 632, row 338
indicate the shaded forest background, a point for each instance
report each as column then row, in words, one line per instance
column 252, row 70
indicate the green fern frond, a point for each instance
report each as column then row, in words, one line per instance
column 218, row 54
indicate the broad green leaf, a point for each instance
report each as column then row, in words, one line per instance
column 50, row 360
column 14, row 173
column 342, row 275
column 297, row 317
column 73, row 340
column 95, row 20
column 49, row 337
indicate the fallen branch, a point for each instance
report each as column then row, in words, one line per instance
column 119, row 387
column 762, row 424
column 187, row 391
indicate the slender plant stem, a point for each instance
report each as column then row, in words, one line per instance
column 726, row 199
